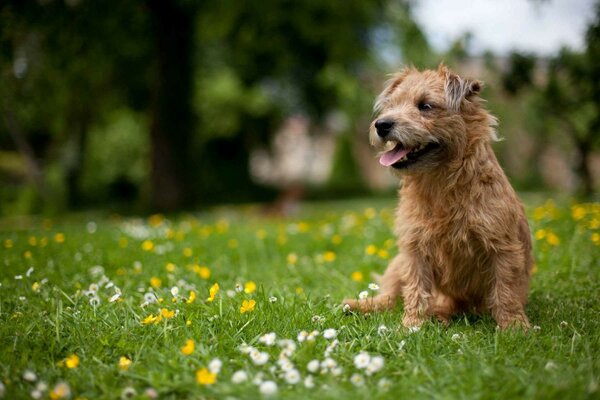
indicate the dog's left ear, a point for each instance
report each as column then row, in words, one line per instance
column 458, row 89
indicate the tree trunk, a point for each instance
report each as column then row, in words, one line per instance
column 582, row 169
column 171, row 124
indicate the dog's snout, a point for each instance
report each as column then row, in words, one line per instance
column 383, row 126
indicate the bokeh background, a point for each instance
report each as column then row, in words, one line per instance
column 156, row 105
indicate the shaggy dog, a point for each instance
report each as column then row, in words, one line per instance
column 464, row 242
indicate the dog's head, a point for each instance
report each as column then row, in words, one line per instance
column 422, row 117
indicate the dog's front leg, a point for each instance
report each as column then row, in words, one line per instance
column 416, row 291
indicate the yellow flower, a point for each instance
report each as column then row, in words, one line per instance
column 167, row 313
column 552, row 239
column 170, row 267
column 147, row 245
column 192, row 297
column 336, row 239
column 539, row 213
column 214, row 289
column 247, row 306
column 8, row 244
column 203, row 272
column 124, row 363
column 578, row 212
column 32, row 241
column 540, row 234
column 151, row 319
column 303, row 227
column 27, row 254
column 59, row 237
column 383, row 254
column 250, row 287
column 299, row 290
column 357, row 276
column 188, row 348
column 155, row 282
column 596, row 238
column 292, row 258
column 72, row 361
column 60, row 391
column 329, row 256
column 594, row 223
column 261, row 234
column 36, row 287
column 371, row 249
column 188, row 252
column 43, row 241
column 156, row 219
column 370, row 213
column 205, row 377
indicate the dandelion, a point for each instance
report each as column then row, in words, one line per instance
column 188, row 252
column 552, row 239
column 8, row 244
column 362, row 360
column 205, row 377
column 357, row 276
column 150, row 319
column 128, row 393
column 239, row 377
column 214, row 289
column 36, row 287
column 374, row 287
column 247, row 306
column 268, row 339
column 384, row 254
column 268, row 388
column 72, row 361
column 363, row 295
column 249, row 287
column 29, row 375
column 188, row 348
column 124, row 363
column 292, row 376
column 60, row 391
column 329, row 333
column 384, row 384
column 578, row 212
column 371, row 249
column 215, row 366
column 313, row 366
column 540, row 234
column 166, row 313
column 336, row 239
column 191, row 298
column 292, row 259
column 596, row 238
column 357, row 380
column 329, row 256
column 155, row 282
column 59, row 237
column 147, row 245
column 233, row 243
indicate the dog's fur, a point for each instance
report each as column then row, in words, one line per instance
column 464, row 242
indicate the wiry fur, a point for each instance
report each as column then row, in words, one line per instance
column 464, row 242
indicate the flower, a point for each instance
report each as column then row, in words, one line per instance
column 72, row 361
column 259, row 357
column 268, row 388
column 357, row 380
column 191, row 298
column 124, row 363
column 309, row 382
column 151, row 393
column 188, row 348
column 292, row 376
column 205, row 377
column 247, row 306
column 374, row 287
column 268, row 339
column 292, row 258
column 357, row 276
column 382, row 330
column 59, row 237
column 151, row 319
column 384, row 384
column 215, row 366
column 29, row 375
column 552, row 239
column 272, row 299
column 147, row 245
column 249, row 287
column 128, row 393
column 363, row 295
column 60, row 391
column 371, row 249
column 174, row 291
column 329, row 333
column 214, row 289
column 456, row 337
column 168, row 314
column 170, row 267
column 239, row 377
column 375, row 365
column 114, row 298
column 362, row 360
column 155, row 282
column 313, row 366
column 329, row 256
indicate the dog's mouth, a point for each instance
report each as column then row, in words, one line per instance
column 401, row 157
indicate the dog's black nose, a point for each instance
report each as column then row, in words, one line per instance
column 383, row 126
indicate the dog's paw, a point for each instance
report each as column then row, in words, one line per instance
column 513, row 321
column 412, row 322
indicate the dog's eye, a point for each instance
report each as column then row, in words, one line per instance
column 424, row 106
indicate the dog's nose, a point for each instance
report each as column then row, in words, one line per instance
column 383, row 126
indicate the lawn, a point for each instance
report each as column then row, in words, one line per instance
column 107, row 306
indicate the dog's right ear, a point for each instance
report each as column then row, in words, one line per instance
column 457, row 89
column 389, row 87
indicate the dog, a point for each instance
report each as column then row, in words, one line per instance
column 463, row 238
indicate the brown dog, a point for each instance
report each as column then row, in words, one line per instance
column 463, row 237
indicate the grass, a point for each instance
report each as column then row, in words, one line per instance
column 51, row 326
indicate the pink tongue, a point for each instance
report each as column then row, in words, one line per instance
column 393, row 156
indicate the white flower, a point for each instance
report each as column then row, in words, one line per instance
column 41, row 386
column 29, row 272
column 374, row 287
column 312, row 336
column 362, row 360
column 318, row 319
column 329, row 333
column 401, row 345
column 97, row 270
column 272, row 299
column 309, row 382
column 292, row 376
column 414, row 329
column 268, row 339
column 537, row 328
column 363, row 295
column 215, row 366
column 245, row 349
column 285, row 364
column 18, row 277
column 346, row 308
column 128, row 393
column 384, row 384
column 29, row 375
column 550, row 365
column 302, row 336
column 239, row 287
column 337, row 371
column 36, row 394
column 258, row 378
column 239, row 377
column 94, row 301
column 357, row 380
column 151, row 393
column 382, row 329
column 91, row 227
column 288, row 347
column 115, row 297
column 2, row 389
column 313, row 366
column 174, row 291
column 375, row 365
column 268, row 388
column 328, row 364
column 258, row 357
column 93, row 287
column 455, row 337
column 331, row 346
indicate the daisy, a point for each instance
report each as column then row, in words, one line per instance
column 302, row 336
column 114, row 298
column 309, row 382
column 268, row 339
column 268, row 388
column 329, row 333
column 292, row 376
column 313, row 366
column 174, row 291
column 382, row 329
column 60, row 391
column 29, row 375
column 357, row 380
column 272, row 299
column 363, row 295
column 362, row 360
column 239, row 377
column 215, row 366
column 374, row 287
column 258, row 357
column 375, row 365
column 128, row 393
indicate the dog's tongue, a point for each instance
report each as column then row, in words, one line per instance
column 393, row 156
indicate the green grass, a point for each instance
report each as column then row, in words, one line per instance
column 41, row 328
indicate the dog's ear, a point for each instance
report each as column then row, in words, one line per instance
column 458, row 89
column 389, row 87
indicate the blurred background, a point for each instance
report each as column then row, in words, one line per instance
column 156, row 105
